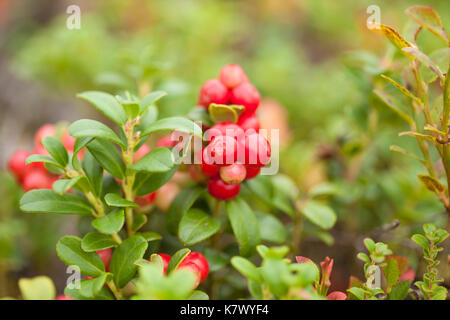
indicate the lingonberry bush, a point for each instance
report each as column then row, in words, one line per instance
column 221, row 221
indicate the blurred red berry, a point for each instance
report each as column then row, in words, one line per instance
column 246, row 95
column 233, row 174
column 207, row 165
column 68, row 141
column 140, row 153
column 222, row 151
column 105, row 256
column 63, row 297
column 221, row 190
column 249, row 122
column 36, row 179
column 213, row 91
column 16, row 164
column 232, row 75
column 257, row 150
column 337, row 295
column 166, row 142
column 224, row 129
column 44, row 131
column 145, row 200
column 252, row 172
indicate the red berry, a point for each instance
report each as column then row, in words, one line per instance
column 252, row 172
column 68, row 141
column 17, row 164
column 36, row 179
column 232, row 75
column 249, row 122
column 165, row 258
column 246, row 95
column 233, row 174
column 207, row 165
column 221, row 190
column 224, row 129
column 105, row 256
column 222, row 151
column 140, row 153
column 257, row 150
column 145, row 200
column 213, row 91
column 63, row 297
column 166, row 142
column 44, row 131
column 198, row 261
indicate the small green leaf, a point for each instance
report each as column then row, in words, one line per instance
column 56, row 149
column 139, row 221
column 48, row 201
column 157, row 160
column 431, row 183
column 174, row 123
column 90, row 288
column 176, row 259
column 115, row 200
column 270, row 228
column 196, row 226
column 146, row 183
column 87, row 128
column 198, row 295
column 421, row 241
column 400, row 291
column 391, row 273
column 222, row 113
column 151, row 99
column 130, row 105
column 40, row 158
column 108, row 157
column 357, row 292
column 180, row 205
column 95, row 241
column 94, row 172
column 38, row 288
column 70, row 252
column 111, row 223
column 150, row 236
column 106, row 104
column 123, row 259
column 244, row 224
column 429, row 19
column 63, row 185
column 319, row 214
column 247, row 269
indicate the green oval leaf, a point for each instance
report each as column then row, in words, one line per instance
column 196, row 226
column 270, row 228
column 106, row 104
column 319, row 214
column 111, row 223
column 124, row 257
column 182, row 203
column 48, row 201
column 115, row 200
column 63, row 185
column 246, row 268
column 146, row 183
column 95, row 241
column 244, row 224
column 174, row 123
column 56, row 149
column 44, row 159
column 90, row 288
column 151, row 99
column 70, row 252
column 108, row 157
column 157, row 160
column 176, row 259
column 87, row 128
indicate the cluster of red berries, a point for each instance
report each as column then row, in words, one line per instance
column 35, row 175
column 194, row 262
column 236, row 151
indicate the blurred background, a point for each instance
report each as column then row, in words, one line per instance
column 314, row 62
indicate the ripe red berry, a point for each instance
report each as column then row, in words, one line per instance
column 213, row 91
column 207, row 165
column 221, row 190
column 257, row 150
column 68, row 141
column 140, row 153
column 17, row 164
column 44, row 131
column 252, row 172
column 166, row 142
column 36, row 179
column 63, row 297
column 165, row 258
column 233, row 174
column 198, row 262
column 246, row 95
column 249, row 122
column 232, row 75
column 224, row 129
column 145, row 200
column 222, row 151
column 105, row 256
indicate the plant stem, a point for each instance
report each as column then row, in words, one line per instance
column 114, row 290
